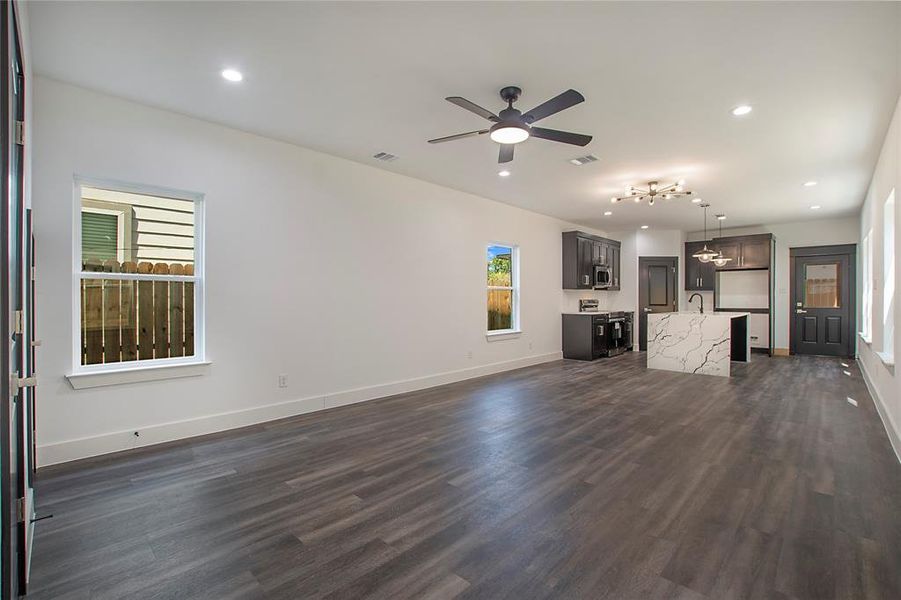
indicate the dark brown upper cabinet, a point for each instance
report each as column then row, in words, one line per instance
column 746, row 251
column 582, row 252
column 699, row 277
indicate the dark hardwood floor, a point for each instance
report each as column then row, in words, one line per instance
column 565, row 480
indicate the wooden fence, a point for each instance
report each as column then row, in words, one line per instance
column 124, row 320
column 500, row 315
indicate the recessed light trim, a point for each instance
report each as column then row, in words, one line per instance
column 607, row 213
column 504, row 173
column 645, row 226
column 809, row 183
column 696, row 200
column 232, row 75
column 815, row 207
column 721, row 217
column 742, row 110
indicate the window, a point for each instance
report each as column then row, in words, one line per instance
column 888, row 279
column 138, row 277
column 867, row 293
column 503, row 288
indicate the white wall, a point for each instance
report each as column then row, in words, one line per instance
column 353, row 281
column 881, row 377
column 823, row 232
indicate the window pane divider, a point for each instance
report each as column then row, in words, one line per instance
column 135, row 276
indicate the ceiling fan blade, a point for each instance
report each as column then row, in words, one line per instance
column 472, row 107
column 457, row 136
column 555, row 135
column 554, row 105
column 506, row 153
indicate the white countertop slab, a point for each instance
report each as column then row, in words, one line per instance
column 691, row 342
column 731, row 315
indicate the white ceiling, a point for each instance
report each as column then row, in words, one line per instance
column 353, row 79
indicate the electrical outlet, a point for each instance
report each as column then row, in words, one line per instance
column 469, row 354
column 530, row 345
column 282, row 381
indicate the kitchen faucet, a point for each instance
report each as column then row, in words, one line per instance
column 692, row 297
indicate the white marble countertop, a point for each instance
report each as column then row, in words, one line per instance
column 692, row 342
column 731, row 315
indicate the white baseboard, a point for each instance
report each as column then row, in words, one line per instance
column 60, row 452
column 890, row 427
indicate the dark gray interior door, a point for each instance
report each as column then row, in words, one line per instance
column 15, row 433
column 656, row 291
column 822, row 311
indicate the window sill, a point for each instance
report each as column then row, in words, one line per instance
column 866, row 339
column 93, row 379
column 887, row 359
column 506, row 334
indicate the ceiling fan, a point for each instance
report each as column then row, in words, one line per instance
column 512, row 126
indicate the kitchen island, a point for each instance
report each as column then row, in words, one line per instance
column 692, row 342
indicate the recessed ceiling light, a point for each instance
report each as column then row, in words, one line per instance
column 232, row 75
column 504, row 173
column 607, row 213
column 644, row 226
column 696, row 200
column 741, row 110
column 809, row 183
column 815, row 207
column 721, row 217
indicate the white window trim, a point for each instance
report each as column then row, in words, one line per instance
column 83, row 376
column 516, row 330
column 866, row 331
column 889, row 285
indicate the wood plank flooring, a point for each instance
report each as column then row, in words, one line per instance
column 564, row 480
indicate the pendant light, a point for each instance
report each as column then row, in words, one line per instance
column 705, row 255
column 721, row 259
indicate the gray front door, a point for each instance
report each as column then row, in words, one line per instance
column 822, row 297
column 656, row 291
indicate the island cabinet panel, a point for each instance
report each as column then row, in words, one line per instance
column 582, row 252
column 699, row 277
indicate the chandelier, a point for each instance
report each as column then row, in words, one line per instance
column 653, row 191
column 720, row 259
column 705, row 255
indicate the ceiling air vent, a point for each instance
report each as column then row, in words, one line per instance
column 384, row 156
column 583, row 160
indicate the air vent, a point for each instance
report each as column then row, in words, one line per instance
column 583, row 160
column 384, row 156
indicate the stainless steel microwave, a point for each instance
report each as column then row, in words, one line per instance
column 602, row 276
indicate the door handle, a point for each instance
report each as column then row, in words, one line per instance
column 800, row 312
column 646, row 309
column 587, row 280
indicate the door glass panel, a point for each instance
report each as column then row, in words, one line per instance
column 658, row 279
column 822, row 286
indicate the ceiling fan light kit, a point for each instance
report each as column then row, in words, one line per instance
column 512, row 127
column 653, row 191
